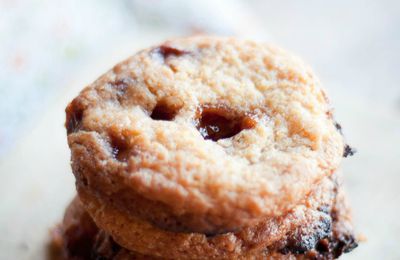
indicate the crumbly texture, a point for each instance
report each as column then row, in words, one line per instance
column 319, row 229
column 202, row 134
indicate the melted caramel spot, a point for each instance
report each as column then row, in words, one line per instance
column 166, row 109
column 120, row 147
column 162, row 112
column 217, row 123
column 74, row 117
column 167, row 51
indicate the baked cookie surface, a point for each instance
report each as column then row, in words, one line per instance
column 318, row 229
column 203, row 134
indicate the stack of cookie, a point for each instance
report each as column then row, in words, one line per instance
column 206, row 147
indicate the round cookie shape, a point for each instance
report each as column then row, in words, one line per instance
column 203, row 134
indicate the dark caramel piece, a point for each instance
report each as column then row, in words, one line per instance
column 74, row 116
column 348, row 151
column 219, row 123
column 167, row 51
column 163, row 112
column 166, row 109
column 119, row 143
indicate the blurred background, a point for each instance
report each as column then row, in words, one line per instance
column 49, row 50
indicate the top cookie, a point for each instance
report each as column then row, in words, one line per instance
column 203, row 134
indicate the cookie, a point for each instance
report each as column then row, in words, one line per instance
column 320, row 228
column 75, row 237
column 296, row 232
column 202, row 134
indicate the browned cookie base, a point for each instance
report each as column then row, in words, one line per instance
column 81, row 239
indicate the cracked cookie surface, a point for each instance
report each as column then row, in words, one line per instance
column 203, row 134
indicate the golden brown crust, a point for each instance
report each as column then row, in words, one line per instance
column 309, row 219
column 316, row 238
column 133, row 134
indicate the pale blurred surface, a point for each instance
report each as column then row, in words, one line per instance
column 49, row 50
